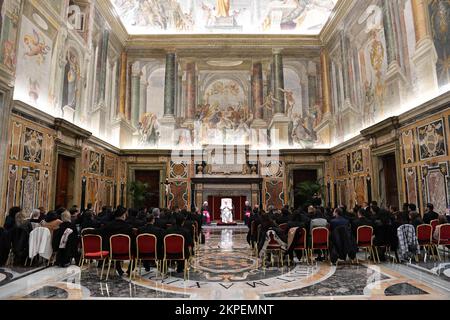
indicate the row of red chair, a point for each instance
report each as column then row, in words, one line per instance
column 146, row 250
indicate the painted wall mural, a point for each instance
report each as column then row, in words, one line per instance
column 9, row 23
column 218, row 16
column 440, row 24
column 432, row 140
column 34, row 65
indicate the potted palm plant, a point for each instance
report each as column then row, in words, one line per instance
column 138, row 193
column 306, row 190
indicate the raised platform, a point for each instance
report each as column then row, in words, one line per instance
column 220, row 223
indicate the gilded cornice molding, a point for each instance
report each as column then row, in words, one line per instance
column 107, row 10
column 339, row 12
column 48, row 12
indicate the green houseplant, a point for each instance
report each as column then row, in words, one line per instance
column 138, row 193
column 305, row 191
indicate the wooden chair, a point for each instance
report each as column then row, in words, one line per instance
column 120, row 250
column 174, row 251
column 364, row 240
column 444, row 238
column 91, row 249
column 301, row 245
column 424, row 233
column 146, row 250
column 319, row 241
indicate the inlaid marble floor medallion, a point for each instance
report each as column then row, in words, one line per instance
column 225, row 267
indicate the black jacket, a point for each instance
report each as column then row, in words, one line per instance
column 117, row 226
column 5, row 246
column 64, row 256
column 342, row 244
column 430, row 215
column 158, row 232
column 175, row 229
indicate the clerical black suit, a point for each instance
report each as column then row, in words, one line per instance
column 176, row 229
column 159, row 233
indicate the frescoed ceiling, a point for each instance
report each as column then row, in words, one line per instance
column 148, row 17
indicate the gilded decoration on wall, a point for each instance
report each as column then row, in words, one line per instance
column 432, row 140
column 178, row 170
column 407, row 139
column 32, row 146
column 411, row 185
column 436, row 185
column 94, row 162
column 357, row 159
column 273, row 169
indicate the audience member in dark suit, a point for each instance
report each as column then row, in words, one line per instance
column 360, row 221
column 178, row 228
column 415, row 219
column 64, row 255
column 133, row 220
column 430, row 214
column 10, row 220
column 338, row 219
column 117, row 226
column 284, row 217
column 158, row 232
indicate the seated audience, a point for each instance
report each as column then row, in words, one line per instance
column 158, row 232
column 51, row 221
column 10, row 220
column 430, row 214
column 338, row 219
column 178, row 228
column 65, row 241
column 441, row 220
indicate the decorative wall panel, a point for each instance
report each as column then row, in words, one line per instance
column 432, row 140
column 32, row 145
column 411, row 185
column 357, row 161
column 408, row 146
column 274, row 193
column 29, row 190
column 16, row 138
column 435, row 180
column 178, row 195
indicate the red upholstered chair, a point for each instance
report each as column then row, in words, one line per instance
column 364, row 239
column 91, row 249
column 146, row 250
column 301, row 244
column 424, row 234
column 174, row 251
column 319, row 240
column 434, row 223
column 273, row 247
column 444, row 238
column 120, row 250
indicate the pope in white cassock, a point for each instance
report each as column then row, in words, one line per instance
column 226, row 210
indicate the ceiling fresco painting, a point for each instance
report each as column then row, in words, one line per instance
column 224, row 16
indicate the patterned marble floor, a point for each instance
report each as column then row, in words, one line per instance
column 226, row 268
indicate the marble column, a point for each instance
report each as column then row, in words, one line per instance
column 278, row 82
column 169, row 86
column 395, row 79
column 425, row 56
column 257, row 90
column 191, row 91
column 279, row 126
column 259, row 125
column 143, row 97
column 388, row 32
column 326, row 105
column 312, row 91
column 121, row 130
column 103, row 66
column 323, row 125
column 167, row 122
column 135, row 93
column 123, row 85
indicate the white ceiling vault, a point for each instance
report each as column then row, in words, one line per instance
column 154, row 17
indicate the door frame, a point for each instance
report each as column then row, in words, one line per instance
column 377, row 153
column 133, row 167
column 71, row 152
column 319, row 166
